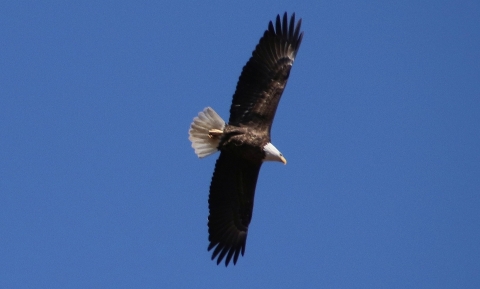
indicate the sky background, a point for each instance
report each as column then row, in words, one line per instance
column 380, row 124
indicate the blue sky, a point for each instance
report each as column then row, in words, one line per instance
column 380, row 124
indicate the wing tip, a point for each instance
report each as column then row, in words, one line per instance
column 289, row 31
column 230, row 253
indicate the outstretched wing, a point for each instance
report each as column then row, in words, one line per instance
column 231, row 204
column 265, row 75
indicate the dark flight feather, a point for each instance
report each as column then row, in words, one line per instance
column 231, row 204
column 265, row 75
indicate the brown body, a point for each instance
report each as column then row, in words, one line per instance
column 245, row 142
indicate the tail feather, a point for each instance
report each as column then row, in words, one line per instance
column 203, row 144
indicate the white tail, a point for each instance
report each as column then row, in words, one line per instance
column 203, row 142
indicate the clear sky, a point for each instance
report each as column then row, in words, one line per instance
column 380, row 124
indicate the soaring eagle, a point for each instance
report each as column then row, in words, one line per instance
column 244, row 143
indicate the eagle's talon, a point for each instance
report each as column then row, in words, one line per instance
column 214, row 133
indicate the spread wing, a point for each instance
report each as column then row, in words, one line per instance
column 231, row 204
column 265, row 75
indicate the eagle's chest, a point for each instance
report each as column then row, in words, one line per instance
column 249, row 145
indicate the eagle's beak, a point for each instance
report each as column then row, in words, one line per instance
column 284, row 160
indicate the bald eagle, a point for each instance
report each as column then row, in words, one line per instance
column 244, row 143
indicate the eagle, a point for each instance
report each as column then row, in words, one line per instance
column 244, row 143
